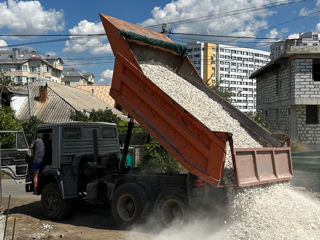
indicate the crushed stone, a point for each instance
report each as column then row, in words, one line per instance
column 46, row 227
column 273, row 211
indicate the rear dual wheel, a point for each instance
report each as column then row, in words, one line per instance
column 129, row 204
column 172, row 208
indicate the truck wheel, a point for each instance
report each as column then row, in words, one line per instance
column 172, row 208
column 128, row 204
column 52, row 204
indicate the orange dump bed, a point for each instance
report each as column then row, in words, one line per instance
column 201, row 151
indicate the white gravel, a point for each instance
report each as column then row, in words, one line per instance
column 262, row 212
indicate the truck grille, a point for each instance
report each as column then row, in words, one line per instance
column 21, row 170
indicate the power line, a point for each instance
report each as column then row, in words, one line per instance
column 45, row 41
column 79, row 36
column 54, row 35
column 190, row 20
column 231, row 13
column 87, row 63
column 223, row 36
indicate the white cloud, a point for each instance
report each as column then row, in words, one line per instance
column 304, row 11
column 273, row 33
column 3, row 44
column 29, row 17
column 246, row 24
column 293, row 36
column 106, row 76
column 95, row 45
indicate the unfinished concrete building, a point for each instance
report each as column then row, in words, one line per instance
column 288, row 93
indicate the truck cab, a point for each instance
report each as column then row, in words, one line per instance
column 14, row 152
column 76, row 153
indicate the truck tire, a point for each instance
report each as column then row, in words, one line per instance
column 53, row 206
column 172, row 207
column 128, row 204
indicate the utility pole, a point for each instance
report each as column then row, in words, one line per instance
column 164, row 28
column 29, row 101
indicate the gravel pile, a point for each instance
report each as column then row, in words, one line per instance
column 262, row 212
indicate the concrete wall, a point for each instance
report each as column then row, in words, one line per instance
column 307, row 133
column 306, row 90
column 16, row 102
column 282, row 95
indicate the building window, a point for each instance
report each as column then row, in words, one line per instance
column 316, row 69
column 33, row 69
column 312, row 114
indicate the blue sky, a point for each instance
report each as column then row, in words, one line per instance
column 282, row 20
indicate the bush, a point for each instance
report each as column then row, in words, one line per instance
column 156, row 159
column 8, row 120
column 258, row 117
column 29, row 127
column 298, row 146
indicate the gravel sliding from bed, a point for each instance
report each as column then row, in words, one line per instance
column 272, row 211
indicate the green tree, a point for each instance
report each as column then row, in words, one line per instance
column 226, row 93
column 3, row 83
column 258, row 117
column 8, row 120
column 104, row 116
column 79, row 116
column 95, row 116
column 157, row 159
column 29, row 127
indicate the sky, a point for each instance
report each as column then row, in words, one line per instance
column 258, row 22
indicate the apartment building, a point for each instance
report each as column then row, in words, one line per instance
column 231, row 67
column 74, row 77
column 22, row 65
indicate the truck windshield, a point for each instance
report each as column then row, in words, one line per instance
column 13, row 140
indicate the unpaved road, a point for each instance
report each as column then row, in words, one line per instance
column 86, row 222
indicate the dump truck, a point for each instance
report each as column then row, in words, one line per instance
column 85, row 160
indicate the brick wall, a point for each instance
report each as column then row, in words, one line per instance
column 101, row 91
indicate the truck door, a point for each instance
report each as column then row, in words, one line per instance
column 14, row 154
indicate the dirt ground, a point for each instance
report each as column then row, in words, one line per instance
column 86, row 222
